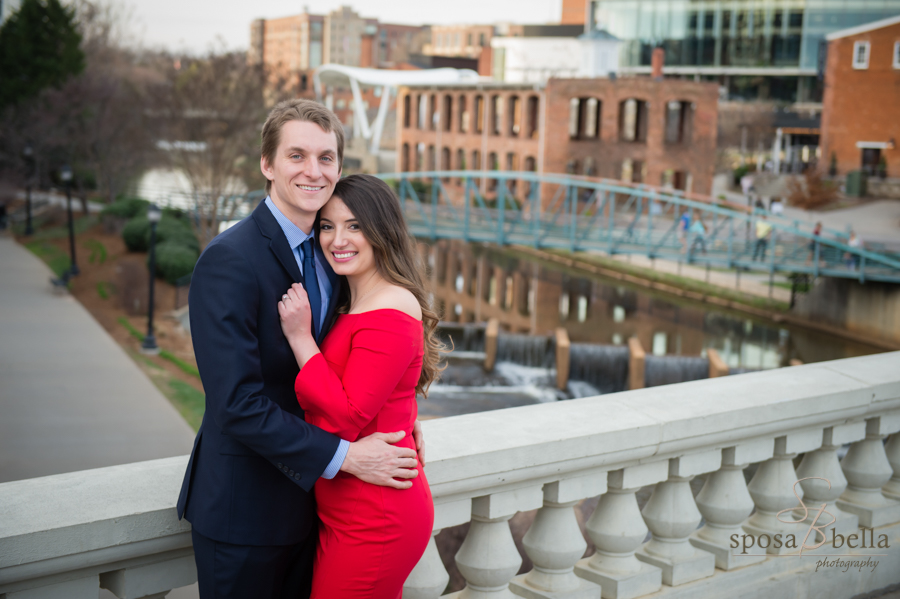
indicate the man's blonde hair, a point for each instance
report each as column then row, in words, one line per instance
column 299, row 110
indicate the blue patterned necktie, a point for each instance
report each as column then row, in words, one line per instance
column 311, row 284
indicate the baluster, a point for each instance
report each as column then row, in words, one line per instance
column 867, row 469
column 824, row 463
column 892, row 449
column 725, row 504
column 429, row 578
column 488, row 558
column 772, row 489
column 672, row 516
column 555, row 543
column 617, row 529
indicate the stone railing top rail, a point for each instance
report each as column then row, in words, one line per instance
column 105, row 514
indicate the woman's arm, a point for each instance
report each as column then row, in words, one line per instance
column 380, row 355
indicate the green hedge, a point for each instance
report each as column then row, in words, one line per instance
column 127, row 207
column 137, row 233
column 174, row 260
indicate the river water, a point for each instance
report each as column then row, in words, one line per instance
column 473, row 283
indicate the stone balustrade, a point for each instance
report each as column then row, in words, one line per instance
column 68, row 535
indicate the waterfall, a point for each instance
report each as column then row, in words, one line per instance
column 605, row 367
column 665, row 370
column 462, row 337
column 527, row 350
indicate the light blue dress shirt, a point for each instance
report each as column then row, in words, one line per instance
column 296, row 237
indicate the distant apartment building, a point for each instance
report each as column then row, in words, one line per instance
column 344, row 30
column 534, row 59
column 860, row 124
column 638, row 129
column 756, row 49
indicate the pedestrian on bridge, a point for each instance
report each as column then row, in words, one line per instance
column 763, row 230
column 698, row 233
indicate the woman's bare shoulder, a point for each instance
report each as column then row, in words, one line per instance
column 394, row 297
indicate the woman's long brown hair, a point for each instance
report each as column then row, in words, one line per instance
column 377, row 210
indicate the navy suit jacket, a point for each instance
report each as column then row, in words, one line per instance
column 255, row 459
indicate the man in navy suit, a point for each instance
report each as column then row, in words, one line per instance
column 247, row 489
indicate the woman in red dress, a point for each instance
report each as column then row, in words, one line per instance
column 381, row 351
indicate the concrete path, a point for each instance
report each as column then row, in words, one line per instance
column 70, row 398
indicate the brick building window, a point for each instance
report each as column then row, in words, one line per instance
column 432, row 112
column 479, row 114
column 407, row 110
column 512, row 164
column 584, row 118
column 633, row 120
column 530, row 166
column 861, row 55
column 445, row 160
column 463, row 115
column 447, row 112
column 515, row 116
column 460, row 160
column 476, row 163
column 431, row 158
column 679, row 121
column 404, row 158
column 496, row 114
column 531, row 117
column 420, row 156
column 422, row 105
column 896, row 61
column 493, row 164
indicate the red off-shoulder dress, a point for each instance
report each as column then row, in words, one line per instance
column 363, row 382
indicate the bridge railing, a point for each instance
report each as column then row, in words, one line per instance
column 116, row 528
column 609, row 216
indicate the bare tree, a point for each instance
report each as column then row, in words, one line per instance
column 210, row 113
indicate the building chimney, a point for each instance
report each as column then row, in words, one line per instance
column 657, row 60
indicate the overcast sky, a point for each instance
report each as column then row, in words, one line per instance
column 195, row 25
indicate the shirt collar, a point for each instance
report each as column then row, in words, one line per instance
column 295, row 236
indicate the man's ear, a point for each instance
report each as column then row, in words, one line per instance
column 266, row 169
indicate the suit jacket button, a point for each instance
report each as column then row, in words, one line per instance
column 280, row 465
column 291, row 473
column 297, row 476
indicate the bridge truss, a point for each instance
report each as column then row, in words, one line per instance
column 582, row 214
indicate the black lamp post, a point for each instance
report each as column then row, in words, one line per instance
column 154, row 214
column 28, row 155
column 65, row 174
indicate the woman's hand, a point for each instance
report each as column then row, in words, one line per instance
column 296, row 323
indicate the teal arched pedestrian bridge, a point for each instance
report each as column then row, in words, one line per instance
column 587, row 214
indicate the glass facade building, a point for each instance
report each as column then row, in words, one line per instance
column 779, row 40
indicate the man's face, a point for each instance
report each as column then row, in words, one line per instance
column 303, row 172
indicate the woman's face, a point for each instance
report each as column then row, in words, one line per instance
column 346, row 248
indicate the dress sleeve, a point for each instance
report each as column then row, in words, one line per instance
column 380, row 354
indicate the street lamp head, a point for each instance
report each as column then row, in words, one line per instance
column 65, row 173
column 154, row 214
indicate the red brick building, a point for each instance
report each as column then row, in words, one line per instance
column 861, row 104
column 635, row 129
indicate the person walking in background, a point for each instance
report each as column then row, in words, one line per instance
column 698, row 236
column 684, row 224
column 763, row 230
column 852, row 258
column 817, row 232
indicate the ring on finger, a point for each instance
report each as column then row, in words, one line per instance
column 285, row 297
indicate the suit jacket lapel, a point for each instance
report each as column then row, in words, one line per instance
column 278, row 243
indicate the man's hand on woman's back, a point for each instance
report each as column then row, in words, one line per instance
column 374, row 459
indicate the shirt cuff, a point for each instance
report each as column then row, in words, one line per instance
column 337, row 461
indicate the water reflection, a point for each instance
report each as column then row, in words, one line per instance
column 473, row 283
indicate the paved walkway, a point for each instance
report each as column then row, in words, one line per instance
column 70, row 398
